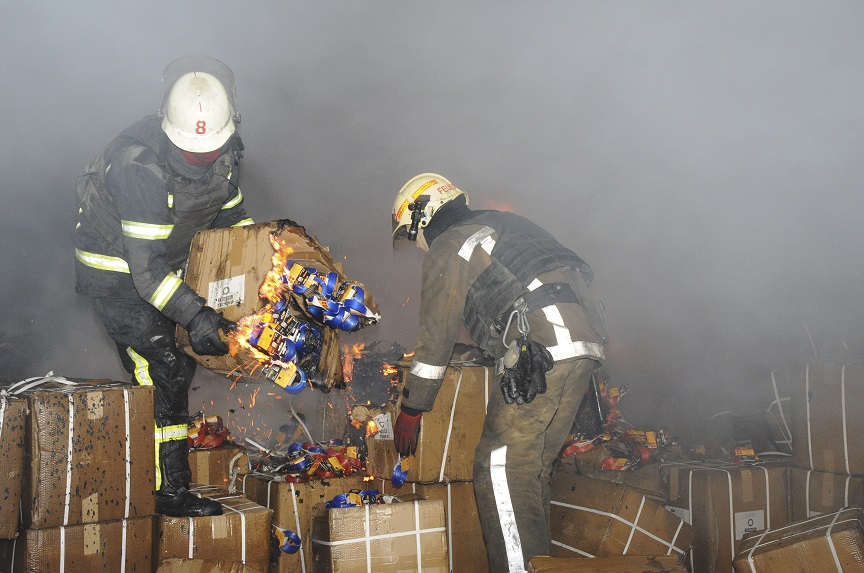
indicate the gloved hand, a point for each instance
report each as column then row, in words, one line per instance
column 524, row 380
column 406, row 430
column 203, row 332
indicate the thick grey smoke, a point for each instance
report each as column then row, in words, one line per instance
column 703, row 158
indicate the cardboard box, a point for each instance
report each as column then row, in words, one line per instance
column 448, row 434
column 227, row 267
column 292, row 505
column 89, row 454
column 817, row 493
column 827, row 425
column 833, row 542
column 621, row 564
column 464, row 532
column 648, row 479
column 241, row 533
column 124, row 545
column 724, row 504
column 203, row 566
column 220, row 465
column 13, row 424
column 386, row 538
column 596, row 518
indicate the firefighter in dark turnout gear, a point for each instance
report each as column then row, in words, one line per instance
column 506, row 280
column 142, row 200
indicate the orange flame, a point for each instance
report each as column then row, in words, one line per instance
column 389, row 370
column 348, row 357
column 371, row 428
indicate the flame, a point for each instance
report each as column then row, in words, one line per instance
column 368, row 478
column 348, row 357
column 408, row 355
column 389, row 370
column 371, row 428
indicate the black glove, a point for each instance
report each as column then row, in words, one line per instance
column 203, row 332
column 524, row 380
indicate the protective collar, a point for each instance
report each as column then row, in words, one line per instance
column 449, row 214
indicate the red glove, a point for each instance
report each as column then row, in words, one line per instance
column 406, row 430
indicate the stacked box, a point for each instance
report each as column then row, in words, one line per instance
column 648, row 479
column 832, row 542
column 176, row 565
column 827, row 425
column 817, row 493
column 227, row 267
column 386, row 538
column 596, row 518
column 123, row 545
column 292, row 505
column 621, row 564
column 774, row 393
column 448, row 434
column 725, row 503
column 13, row 424
column 464, row 532
column 89, row 454
column 241, row 534
column 218, row 466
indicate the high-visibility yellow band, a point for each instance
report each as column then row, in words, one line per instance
column 244, row 222
column 142, row 368
column 166, row 290
column 171, row 433
column 102, row 262
column 235, row 201
column 170, row 200
column 147, row 231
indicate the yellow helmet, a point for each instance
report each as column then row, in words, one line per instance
column 417, row 201
column 198, row 115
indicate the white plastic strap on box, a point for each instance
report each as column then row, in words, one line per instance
column 234, row 469
column 69, row 460
column 241, row 511
column 191, row 537
column 29, row 383
column 831, row 543
column 485, row 392
column 128, row 459
column 752, row 549
column 807, row 393
column 787, row 433
column 3, row 402
column 367, row 538
column 573, row 549
column 296, row 522
column 641, row 530
column 450, row 425
column 417, row 538
column 450, row 525
column 123, row 547
column 62, row 549
column 635, row 521
column 843, row 409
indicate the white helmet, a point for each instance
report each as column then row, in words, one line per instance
column 417, row 201
column 198, row 115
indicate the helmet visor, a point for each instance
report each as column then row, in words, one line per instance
column 400, row 236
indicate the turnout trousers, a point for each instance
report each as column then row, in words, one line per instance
column 148, row 350
column 513, row 462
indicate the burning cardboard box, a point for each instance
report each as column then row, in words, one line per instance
column 288, row 297
column 13, row 423
column 385, row 538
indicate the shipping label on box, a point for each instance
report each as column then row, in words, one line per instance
column 124, row 545
column 385, row 538
column 241, row 533
column 827, row 425
column 13, row 425
column 89, row 453
column 817, row 493
column 725, row 503
column 464, row 532
column 448, row 434
column 220, row 465
column 596, row 518
column 832, row 542
column 292, row 505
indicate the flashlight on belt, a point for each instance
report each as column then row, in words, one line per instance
column 416, row 215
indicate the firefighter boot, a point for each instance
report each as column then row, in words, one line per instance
column 173, row 497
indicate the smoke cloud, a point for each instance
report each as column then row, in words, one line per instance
column 704, row 159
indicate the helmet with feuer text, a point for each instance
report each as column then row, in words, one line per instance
column 418, row 200
column 198, row 115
